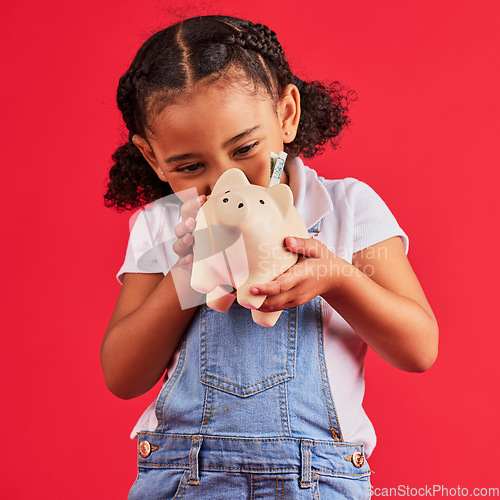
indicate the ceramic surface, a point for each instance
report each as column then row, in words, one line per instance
column 239, row 242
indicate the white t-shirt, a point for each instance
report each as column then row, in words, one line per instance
column 353, row 217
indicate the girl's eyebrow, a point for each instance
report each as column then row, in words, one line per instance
column 236, row 138
column 241, row 136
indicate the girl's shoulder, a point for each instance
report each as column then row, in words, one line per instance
column 157, row 214
column 305, row 182
column 353, row 193
column 151, row 236
column 358, row 209
column 350, row 187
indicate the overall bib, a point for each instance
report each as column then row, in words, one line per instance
column 248, row 413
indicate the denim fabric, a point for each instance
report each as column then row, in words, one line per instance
column 248, row 413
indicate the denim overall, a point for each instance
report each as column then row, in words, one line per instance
column 248, row 414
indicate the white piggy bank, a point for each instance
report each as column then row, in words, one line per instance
column 239, row 242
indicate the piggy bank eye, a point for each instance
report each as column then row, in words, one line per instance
column 225, row 200
column 262, row 201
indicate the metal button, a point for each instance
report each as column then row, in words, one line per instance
column 144, row 449
column 357, row 459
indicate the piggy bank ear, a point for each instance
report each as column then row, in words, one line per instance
column 229, row 180
column 282, row 196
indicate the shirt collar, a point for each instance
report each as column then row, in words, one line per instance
column 310, row 196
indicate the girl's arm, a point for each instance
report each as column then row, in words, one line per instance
column 378, row 295
column 144, row 330
column 148, row 320
column 396, row 319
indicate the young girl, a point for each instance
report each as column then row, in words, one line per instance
column 247, row 411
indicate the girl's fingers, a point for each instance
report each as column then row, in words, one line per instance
column 186, row 262
column 279, row 303
column 184, row 227
column 184, row 245
column 307, row 247
column 191, row 207
column 189, row 211
column 281, row 284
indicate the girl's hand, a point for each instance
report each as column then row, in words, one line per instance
column 183, row 247
column 317, row 272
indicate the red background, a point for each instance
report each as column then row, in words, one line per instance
column 423, row 136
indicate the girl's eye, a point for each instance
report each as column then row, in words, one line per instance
column 189, row 168
column 194, row 167
column 246, row 149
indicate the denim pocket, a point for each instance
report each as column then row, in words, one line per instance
column 158, row 483
column 243, row 358
column 354, row 488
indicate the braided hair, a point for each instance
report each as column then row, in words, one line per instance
column 177, row 57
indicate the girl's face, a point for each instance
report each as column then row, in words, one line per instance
column 217, row 127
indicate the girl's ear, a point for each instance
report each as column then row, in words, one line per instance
column 289, row 112
column 149, row 155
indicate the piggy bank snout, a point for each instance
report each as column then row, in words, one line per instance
column 231, row 208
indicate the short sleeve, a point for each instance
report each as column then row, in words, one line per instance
column 373, row 221
column 149, row 248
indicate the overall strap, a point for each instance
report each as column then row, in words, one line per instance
column 316, row 228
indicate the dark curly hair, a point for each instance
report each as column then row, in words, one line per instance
column 179, row 56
